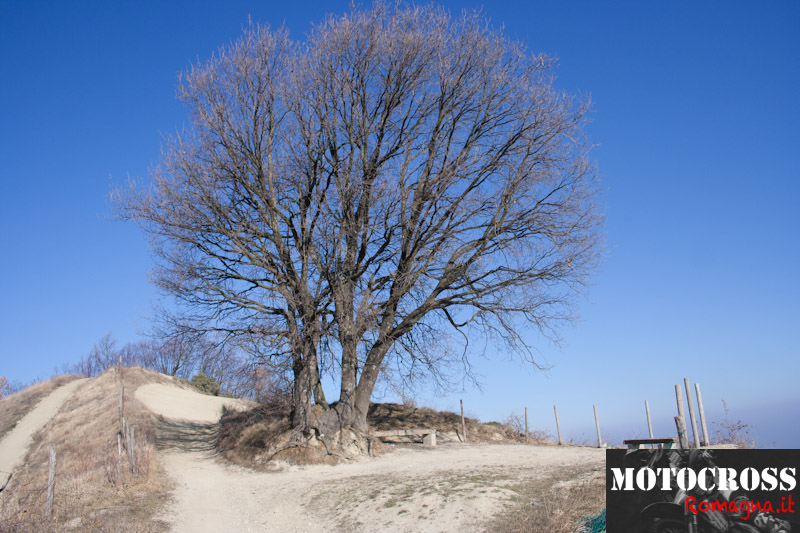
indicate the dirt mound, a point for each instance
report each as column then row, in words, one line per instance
column 389, row 416
column 251, row 437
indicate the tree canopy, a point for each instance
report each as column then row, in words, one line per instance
column 343, row 201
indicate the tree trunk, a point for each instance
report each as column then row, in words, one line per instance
column 353, row 414
column 363, row 395
column 345, row 404
column 306, row 378
column 301, row 398
column 319, row 394
column 348, row 339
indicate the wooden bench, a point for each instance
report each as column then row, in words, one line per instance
column 428, row 435
column 634, row 444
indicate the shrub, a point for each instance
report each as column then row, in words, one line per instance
column 5, row 387
column 206, row 384
column 516, row 425
column 730, row 431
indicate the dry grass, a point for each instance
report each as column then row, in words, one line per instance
column 250, row 438
column 555, row 504
column 389, row 416
column 96, row 489
column 733, row 431
column 16, row 406
column 257, row 439
column 246, row 437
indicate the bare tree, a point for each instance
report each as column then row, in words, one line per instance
column 174, row 356
column 346, row 201
column 101, row 357
column 5, row 387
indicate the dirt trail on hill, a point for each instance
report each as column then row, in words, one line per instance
column 15, row 444
column 413, row 488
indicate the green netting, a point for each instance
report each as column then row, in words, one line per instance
column 594, row 524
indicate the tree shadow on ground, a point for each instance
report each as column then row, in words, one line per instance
column 186, row 435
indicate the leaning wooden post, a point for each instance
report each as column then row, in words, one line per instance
column 681, row 426
column 463, row 423
column 649, row 423
column 558, row 427
column 691, row 412
column 51, row 482
column 119, row 458
column 526, row 424
column 597, row 424
column 121, row 402
column 706, row 439
column 679, row 399
column 134, row 465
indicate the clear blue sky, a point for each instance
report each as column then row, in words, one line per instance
column 697, row 126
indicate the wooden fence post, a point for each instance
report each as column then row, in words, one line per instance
column 463, row 423
column 526, row 424
column 134, row 466
column 679, row 399
column 51, row 482
column 706, row 439
column 649, row 423
column 691, row 412
column 681, row 426
column 121, row 403
column 597, row 424
column 119, row 458
column 558, row 427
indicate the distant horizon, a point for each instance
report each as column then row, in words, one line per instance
column 765, row 424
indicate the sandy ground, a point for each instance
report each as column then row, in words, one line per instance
column 177, row 403
column 15, row 444
column 448, row 488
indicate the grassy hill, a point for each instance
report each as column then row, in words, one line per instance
column 99, row 486
column 95, row 486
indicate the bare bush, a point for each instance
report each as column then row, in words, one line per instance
column 516, row 425
column 101, row 357
column 730, row 431
column 5, row 387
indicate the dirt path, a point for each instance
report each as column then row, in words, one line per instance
column 177, row 403
column 15, row 444
column 442, row 489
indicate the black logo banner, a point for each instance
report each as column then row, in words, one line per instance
column 702, row 491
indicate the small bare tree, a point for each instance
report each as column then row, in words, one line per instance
column 101, row 357
column 5, row 387
column 175, row 356
column 346, row 201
